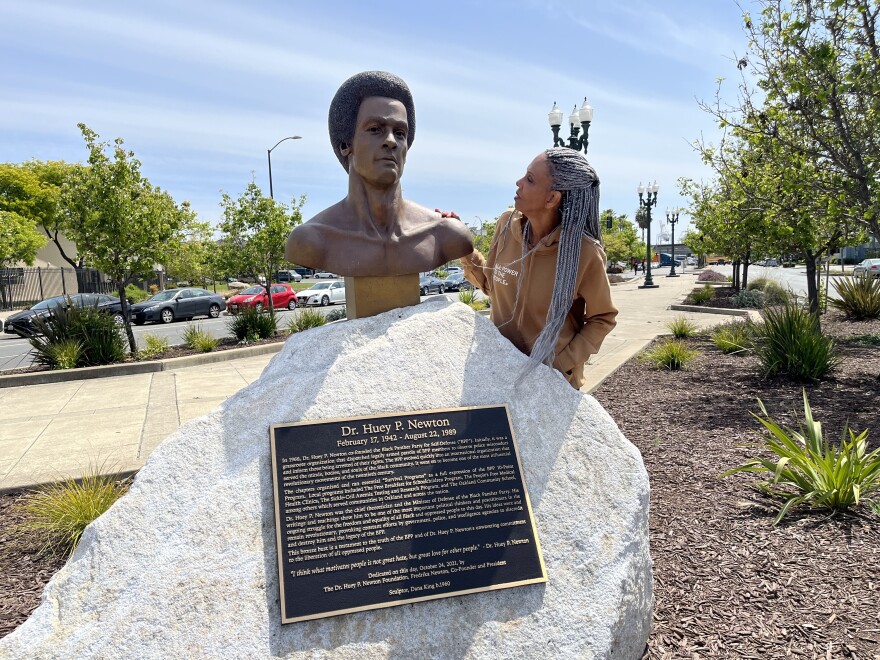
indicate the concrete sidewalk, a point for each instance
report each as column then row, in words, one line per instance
column 57, row 430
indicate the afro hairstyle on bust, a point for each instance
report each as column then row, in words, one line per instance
column 347, row 101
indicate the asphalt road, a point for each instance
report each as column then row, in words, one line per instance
column 15, row 352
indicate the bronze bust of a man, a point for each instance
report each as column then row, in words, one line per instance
column 373, row 231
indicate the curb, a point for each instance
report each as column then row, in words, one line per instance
column 129, row 368
column 710, row 310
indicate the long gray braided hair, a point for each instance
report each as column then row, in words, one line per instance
column 578, row 182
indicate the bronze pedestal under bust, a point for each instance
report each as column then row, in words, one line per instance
column 373, row 231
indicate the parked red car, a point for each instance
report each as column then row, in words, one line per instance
column 283, row 296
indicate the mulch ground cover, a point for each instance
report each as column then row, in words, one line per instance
column 727, row 583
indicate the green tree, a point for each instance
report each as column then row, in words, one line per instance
column 32, row 190
column 121, row 223
column 817, row 64
column 19, row 239
column 483, row 234
column 621, row 240
column 254, row 231
column 192, row 257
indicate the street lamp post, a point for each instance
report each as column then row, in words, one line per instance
column 645, row 205
column 582, row 116
column 672, row 218
column 269, row 156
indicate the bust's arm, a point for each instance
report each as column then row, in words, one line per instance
column 455, row 241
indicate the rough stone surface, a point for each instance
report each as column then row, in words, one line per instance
column 185, row 566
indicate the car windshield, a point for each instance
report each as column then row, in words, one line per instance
column 321, row 285
column 51, row 302
column 163, row 296
column 251, row 290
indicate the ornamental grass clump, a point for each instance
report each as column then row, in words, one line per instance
column 469, row 297
column 702, row 296
column 811, row 470
column 858, row 298
column 96, row 332
column 153, row 345
column 199, row 340
column 306, row 318
column 65, row 354
column 758, row 284
column 775, row 295
column 671, row 354
column 56, row 515
column 788, row 341
column 336, row 315
column 733, row 337
column 682, row 328
column 250, row 325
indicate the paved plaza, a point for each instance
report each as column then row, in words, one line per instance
column 57, row 430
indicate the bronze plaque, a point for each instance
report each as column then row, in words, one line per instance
column 384, row 510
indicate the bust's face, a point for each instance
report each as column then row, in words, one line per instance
column 378, row 149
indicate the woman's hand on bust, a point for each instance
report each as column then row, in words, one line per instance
column 447, row 214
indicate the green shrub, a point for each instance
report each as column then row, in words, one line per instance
column 154, row 345
column 733, row 337
column 858, row 298
column 682, row 328
column 305, row 319
column 197, row 339
column 336, row 315
column 56, row 515
column 810, row 470
column 99, row 336
column 704, row 295
column 669, row 354
column 789, row 341
column 752, row 299
column 135, row 294
column 251, row 325
column 469, row 297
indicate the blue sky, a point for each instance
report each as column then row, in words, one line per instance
column 200, row 90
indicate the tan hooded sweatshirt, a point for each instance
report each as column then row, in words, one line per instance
column 592, row 315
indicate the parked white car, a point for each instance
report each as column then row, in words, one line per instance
column 323, row 293
column 868, row 267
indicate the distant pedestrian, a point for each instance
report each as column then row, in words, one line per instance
column 643, row 265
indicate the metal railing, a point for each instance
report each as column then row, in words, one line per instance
column 22, row 287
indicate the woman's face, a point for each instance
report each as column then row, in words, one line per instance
column 533, row 192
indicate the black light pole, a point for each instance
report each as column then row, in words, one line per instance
column 584, row 117
column 269, row 155
column 645, row 207
column 672, row 218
